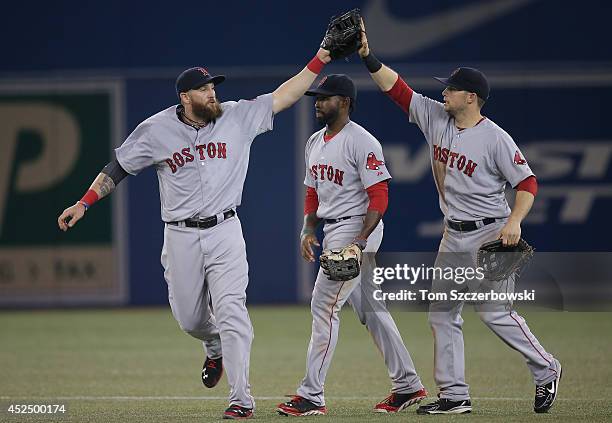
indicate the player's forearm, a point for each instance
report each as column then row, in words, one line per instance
column 294, row 88
column 291, row 90
column 369, row 224
column 384, row 76
column 100, row 188
column 522, row 205
column 103, row 185
column 311, row 221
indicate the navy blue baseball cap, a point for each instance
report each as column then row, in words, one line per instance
column 335, row 84
column 468, row 79
column 194, row 78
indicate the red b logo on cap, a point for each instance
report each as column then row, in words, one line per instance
column 204, row 71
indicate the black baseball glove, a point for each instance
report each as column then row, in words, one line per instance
column 343, row 35
column 499, row 262
column 341, row 264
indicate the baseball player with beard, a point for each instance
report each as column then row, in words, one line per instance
column 346, row 180
column 200, row 150
column 472, row 161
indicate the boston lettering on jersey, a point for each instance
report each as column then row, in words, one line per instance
column 322, row 171
column 212, row 150
column 452, row 159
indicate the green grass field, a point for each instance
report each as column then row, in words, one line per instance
column 136, row 365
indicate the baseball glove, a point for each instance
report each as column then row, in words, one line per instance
column 499, row 262
column 343, row 35
column 341, row 264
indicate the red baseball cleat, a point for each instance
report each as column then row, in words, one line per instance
column 395, row 403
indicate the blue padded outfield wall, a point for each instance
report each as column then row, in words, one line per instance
column 81, row 76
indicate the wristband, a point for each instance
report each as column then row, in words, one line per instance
column 372, row 63
column 361, row 243
column 89, row 198
column 315, row 65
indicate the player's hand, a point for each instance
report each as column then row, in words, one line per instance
column 307, row 241
column 70, row 216
column 365, row 49
column 323, row 55
column 510, row 233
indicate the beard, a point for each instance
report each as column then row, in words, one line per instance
column 208, row 112
column 452, row 111
column 326, row 118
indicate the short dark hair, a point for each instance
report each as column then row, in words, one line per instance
column 480, row 102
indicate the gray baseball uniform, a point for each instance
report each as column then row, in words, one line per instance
column 201, row 173
column 471, row 168
column 340, row 170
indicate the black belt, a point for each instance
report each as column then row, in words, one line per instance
column 467, row 226
column 340, row 219
column 204, row 223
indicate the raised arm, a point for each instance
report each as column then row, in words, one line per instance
column 291, row 90
column 384, row 76
column 103, row 185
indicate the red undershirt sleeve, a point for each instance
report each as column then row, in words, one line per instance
column 529, row 184
column 311, row 201
column 401, row 93
column 379, row 197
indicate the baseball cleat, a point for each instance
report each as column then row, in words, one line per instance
column 446, row 406
column 236, row 412
column 546, row 394
column 395, row 403
column 212, row 371
column 299, row 406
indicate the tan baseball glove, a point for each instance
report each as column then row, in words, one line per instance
column 341, row 264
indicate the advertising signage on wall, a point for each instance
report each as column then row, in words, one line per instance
column 53, row 137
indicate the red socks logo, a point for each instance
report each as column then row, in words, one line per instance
column 373, row 163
